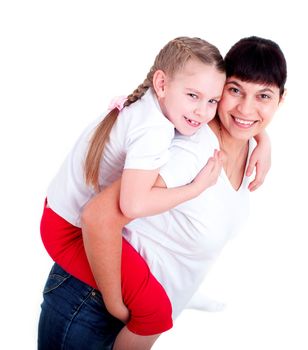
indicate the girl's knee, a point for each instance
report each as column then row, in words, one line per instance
column 151, row 313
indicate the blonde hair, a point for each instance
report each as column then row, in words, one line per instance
column 172, row 58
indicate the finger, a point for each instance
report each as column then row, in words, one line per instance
column 220, row 156
column 252, row 186
column 260, row 174
column 216, row 154
column 216, row 168
column 251, row 165
column 256, row 183
column 210, row 163
column 253, row 162
column 249, row 170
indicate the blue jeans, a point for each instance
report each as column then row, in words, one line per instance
column 73, row 316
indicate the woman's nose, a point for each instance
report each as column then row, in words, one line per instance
column 246, row 106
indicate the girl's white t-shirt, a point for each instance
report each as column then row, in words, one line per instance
column 180, row 245
column 139, row 139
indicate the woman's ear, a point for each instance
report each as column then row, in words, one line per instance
column 159, row 83
column 283, row 96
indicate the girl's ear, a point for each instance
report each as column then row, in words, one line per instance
column 159, row 83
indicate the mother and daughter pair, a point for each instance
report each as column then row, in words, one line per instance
column 176, row 156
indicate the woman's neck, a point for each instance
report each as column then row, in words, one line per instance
column 235, row 153
column 227, row 143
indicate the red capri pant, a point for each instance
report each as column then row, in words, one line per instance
column 149, row 306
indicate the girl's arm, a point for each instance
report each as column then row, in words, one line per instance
column 141, row 197
column 261, row 159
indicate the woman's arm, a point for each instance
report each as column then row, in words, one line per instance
column 102, row 223
column 140, row 196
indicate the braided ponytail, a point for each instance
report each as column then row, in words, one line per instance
column 172, row 57
column 101, row 136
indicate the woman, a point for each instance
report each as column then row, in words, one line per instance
column 179, row 255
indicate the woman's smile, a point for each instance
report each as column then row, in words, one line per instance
column 243, row 123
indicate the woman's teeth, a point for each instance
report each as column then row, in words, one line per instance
column 244, row 122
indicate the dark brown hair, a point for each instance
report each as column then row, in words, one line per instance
column 257, row 60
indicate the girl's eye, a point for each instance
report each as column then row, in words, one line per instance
column 214, row 102
column 194, row 96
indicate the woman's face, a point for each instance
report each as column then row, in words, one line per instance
column 245, row 109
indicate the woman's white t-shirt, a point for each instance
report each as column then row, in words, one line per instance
column 181, row 244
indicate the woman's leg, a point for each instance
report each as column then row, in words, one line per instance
column 73, row 316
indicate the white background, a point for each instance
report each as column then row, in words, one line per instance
column 61, row 62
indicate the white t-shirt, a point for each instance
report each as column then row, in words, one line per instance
column 139, row 139
column 180, row 245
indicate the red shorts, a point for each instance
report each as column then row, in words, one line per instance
column 149, row 306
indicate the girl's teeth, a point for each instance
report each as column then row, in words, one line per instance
column 244, row 122
column 193, row 122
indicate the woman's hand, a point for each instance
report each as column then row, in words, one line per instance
column 119, row 310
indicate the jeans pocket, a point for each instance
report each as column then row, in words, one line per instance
column 56, row 277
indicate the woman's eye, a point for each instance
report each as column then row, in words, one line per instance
column 234, row 90
column 265, row 97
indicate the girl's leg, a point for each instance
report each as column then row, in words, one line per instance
column 127, row 340
column 145, row 298
column 149, row 305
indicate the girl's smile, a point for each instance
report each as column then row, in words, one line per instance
column 192, row 122
column 189, row 98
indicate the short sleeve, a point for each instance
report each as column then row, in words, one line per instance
column 148, row 147
column 182, row 167
column 188, row 155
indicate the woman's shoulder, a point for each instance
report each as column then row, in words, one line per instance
column 203, row 141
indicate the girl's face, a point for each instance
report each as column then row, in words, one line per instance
column 189, row 99
column 247, row 108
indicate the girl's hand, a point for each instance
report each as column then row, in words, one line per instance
column 209, row 174
column 261, row 160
